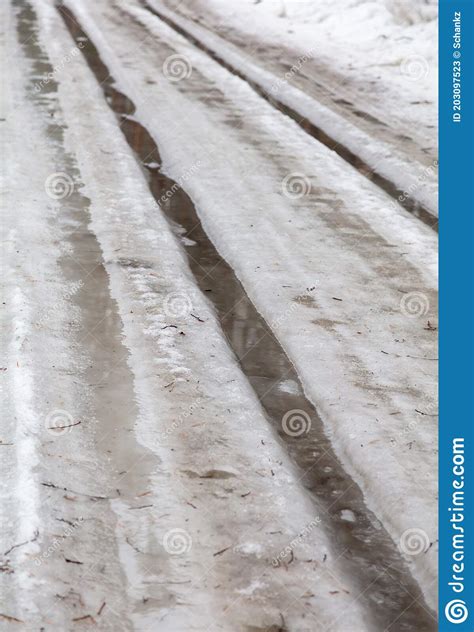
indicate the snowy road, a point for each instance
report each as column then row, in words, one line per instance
column 358, row 121
column 220, row 339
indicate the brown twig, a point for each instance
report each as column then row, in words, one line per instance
column 9, row 618
column 221, row 551
column 84, row 618
column 64, row 427
column 15, row 546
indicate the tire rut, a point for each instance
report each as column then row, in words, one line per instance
column 407, row 202
column 94, row 465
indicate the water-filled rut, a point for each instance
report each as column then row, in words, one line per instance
column 369, row 557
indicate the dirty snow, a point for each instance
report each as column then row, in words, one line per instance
column 361, row 381
column 386, row 80
column 162, row 496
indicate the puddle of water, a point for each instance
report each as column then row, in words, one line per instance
column 369, row 556
column 389, row 187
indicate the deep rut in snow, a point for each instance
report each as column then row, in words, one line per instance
column 407, row 202
column 369, row 556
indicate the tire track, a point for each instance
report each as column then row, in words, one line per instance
column 89, row 446
column 407, row 202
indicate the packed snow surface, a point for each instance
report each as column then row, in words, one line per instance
column 143, row 485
